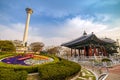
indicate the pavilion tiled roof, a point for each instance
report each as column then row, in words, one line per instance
column 108, row 40
column 88, row 38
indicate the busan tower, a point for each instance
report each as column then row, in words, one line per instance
column 29, row 11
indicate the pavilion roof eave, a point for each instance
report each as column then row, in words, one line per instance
column 78, row 40
column 90, row 39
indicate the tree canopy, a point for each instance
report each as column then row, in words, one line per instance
column 17, row 43
column 111, row 48
column 54, row 50
column 6, row 45
column 36, row 46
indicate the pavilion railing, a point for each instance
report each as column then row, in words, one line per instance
column 99, row 68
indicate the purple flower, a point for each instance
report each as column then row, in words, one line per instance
column 14, row 60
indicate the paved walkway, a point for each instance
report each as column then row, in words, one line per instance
column 114, row 73
column 33, row 76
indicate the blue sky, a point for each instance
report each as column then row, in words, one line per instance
column 56, row 21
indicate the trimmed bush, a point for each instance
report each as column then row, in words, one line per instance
column 10, row 74
column 21, row 75
column 6, row 55
column 58, row 71
column 106, row 60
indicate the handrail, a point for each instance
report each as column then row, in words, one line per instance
column 103, row 76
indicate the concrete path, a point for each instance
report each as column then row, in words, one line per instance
column 33, row 76
column 114, row 73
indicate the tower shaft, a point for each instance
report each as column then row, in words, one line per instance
column 29, row 12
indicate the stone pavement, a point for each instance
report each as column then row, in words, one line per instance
column 114, row 73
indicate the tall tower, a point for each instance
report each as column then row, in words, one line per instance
column 29, row 11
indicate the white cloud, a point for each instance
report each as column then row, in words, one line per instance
column 11, row 32
column 70, row 29
column 75, row 27
column 113, row 33
column 16, row 31
column 103, row 17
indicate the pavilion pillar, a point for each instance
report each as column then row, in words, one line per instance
column 105, row 53
column 95, row 52
column 98, row 49
column 75, row 53
column 90, row 51
column 101, row 50
column 79, row 52
column 71, row 52
column 84, row 51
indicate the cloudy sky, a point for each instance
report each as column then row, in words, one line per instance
column 56, row 21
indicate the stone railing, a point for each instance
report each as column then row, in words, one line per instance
column 99, row 69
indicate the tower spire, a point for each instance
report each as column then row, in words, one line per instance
column 84, row 33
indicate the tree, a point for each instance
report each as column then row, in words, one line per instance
column 17, row 43
column 111, row 48
column 66, row 52
column 7, row 46
column 36, row 46
column 54, row 50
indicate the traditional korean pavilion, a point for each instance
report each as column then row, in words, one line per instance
column 89, row 45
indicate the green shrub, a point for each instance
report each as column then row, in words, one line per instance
column 106, row 60
column 10, row 74
column 21, row 75
column 29, row 69
column 5, row 55
column 7, row 46
column 6, row 74
column 58, row 71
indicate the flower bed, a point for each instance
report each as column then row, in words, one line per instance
column 37, row 61
column 13, row 60
column 59, row 69
column 17, row 67
column 39, row 57
column 27, row 60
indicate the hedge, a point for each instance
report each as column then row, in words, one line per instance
column 10, row 74
column 58, row 71
column 6, row 55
